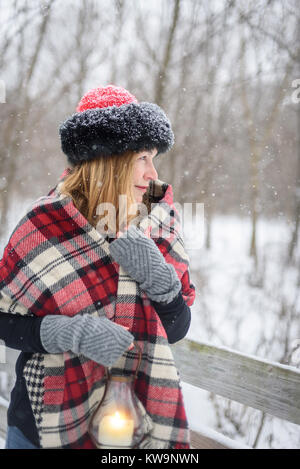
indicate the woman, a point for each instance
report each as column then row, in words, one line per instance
column 80, row 285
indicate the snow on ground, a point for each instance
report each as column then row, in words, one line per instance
column 236, row 309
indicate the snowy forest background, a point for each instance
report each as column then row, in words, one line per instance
column 224, row 71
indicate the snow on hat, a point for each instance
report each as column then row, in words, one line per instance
column 110, row 120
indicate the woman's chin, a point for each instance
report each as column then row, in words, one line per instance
column 138, row 198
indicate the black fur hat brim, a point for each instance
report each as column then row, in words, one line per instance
column 113, row 130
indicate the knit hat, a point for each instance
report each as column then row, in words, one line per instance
column 110, row 120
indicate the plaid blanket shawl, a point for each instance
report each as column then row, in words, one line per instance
column 55, row 262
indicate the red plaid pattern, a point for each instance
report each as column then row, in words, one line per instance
column 56, row 263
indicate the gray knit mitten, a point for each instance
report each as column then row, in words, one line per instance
column 97, row 338
column 142, row 260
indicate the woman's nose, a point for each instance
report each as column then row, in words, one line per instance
column 151, row 172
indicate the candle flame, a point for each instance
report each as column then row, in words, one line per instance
column 117, row 420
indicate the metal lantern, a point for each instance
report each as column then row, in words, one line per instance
column 120, row 420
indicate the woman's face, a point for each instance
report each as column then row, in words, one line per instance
column 143, row 172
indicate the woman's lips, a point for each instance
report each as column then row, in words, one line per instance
column 142, row 188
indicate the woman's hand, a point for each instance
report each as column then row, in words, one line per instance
column 139, row 256
column 97, row 338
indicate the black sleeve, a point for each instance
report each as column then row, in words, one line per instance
column 21, row 332
column 175, row 317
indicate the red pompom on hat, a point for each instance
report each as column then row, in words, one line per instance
column 105, row 96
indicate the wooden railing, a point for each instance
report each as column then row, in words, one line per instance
column 264, row 385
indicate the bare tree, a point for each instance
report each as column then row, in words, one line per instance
column 257, row 147
column 15, row 125
column 161, row 78
column 284, row 37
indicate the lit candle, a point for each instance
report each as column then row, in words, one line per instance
column 115, row 430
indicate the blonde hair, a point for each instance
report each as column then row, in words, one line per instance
column 102, row 180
